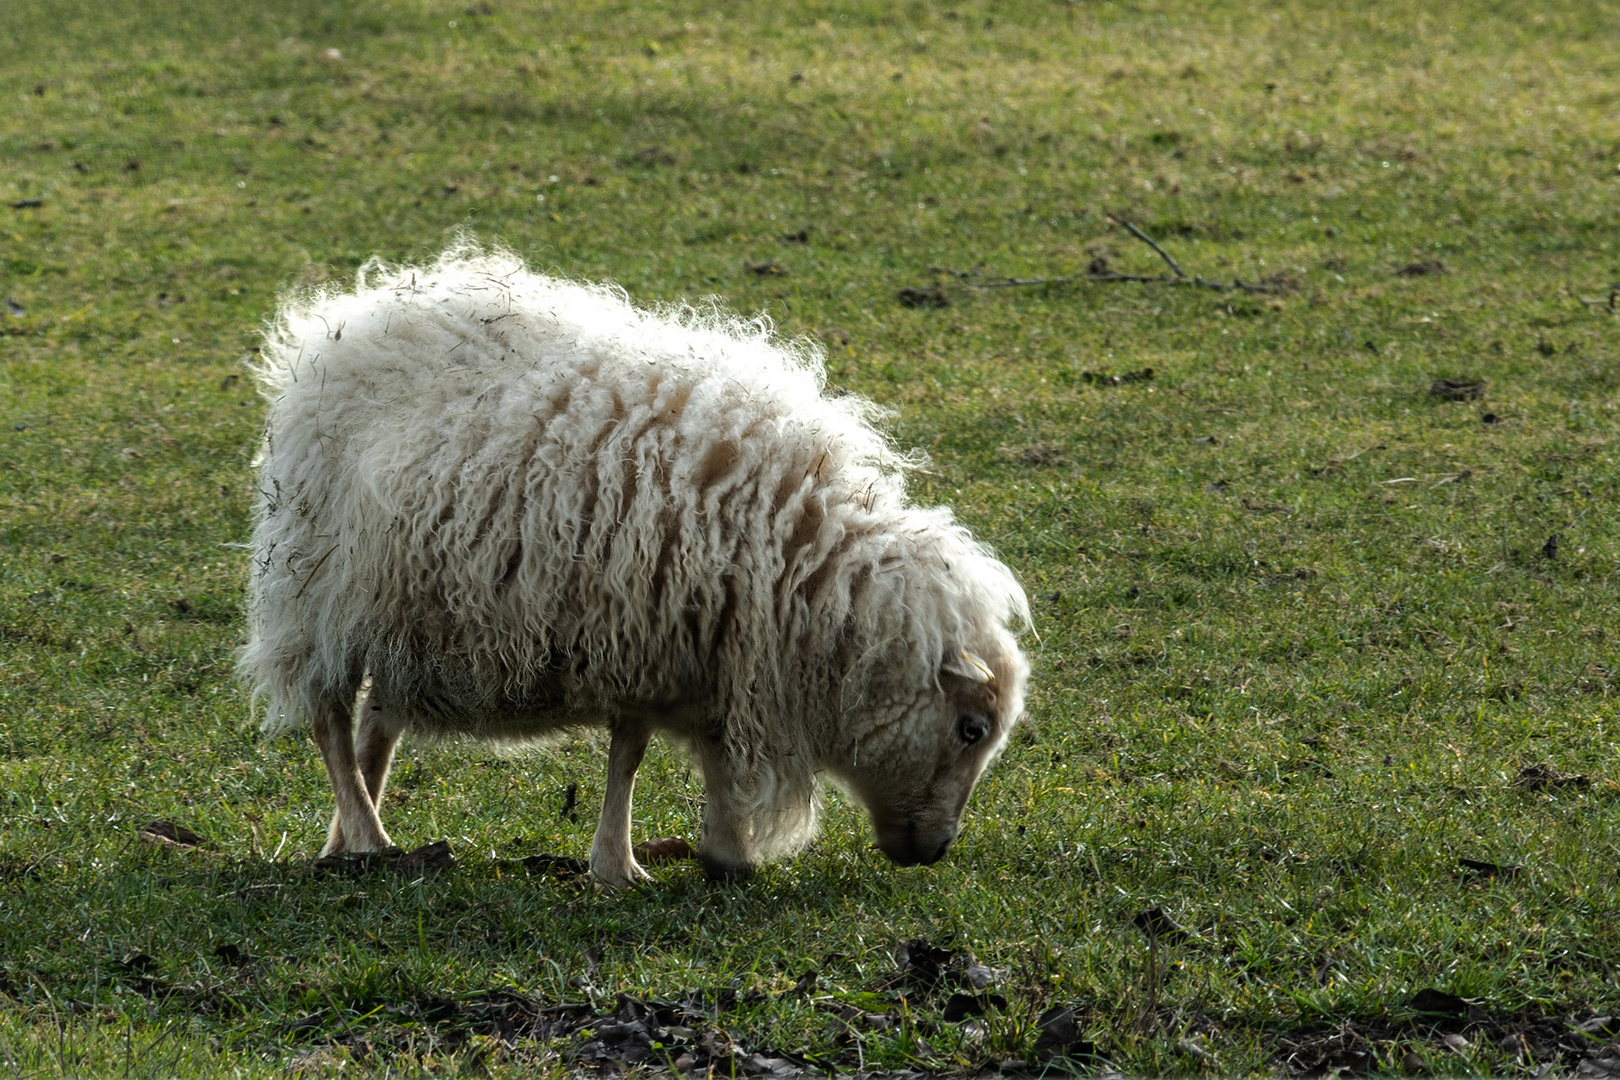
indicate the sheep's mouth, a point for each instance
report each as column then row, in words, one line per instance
column 905, row 845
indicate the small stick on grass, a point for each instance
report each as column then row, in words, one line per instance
column 978, row 280
column 1181, row 277
column 1612, row 301
column 1148, row 240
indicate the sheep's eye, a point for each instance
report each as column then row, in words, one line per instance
column 972, row 727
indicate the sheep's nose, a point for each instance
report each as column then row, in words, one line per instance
column 905, row 848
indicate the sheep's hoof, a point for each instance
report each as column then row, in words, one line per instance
column 337, row 845
column 721, row 870
column 620, row 877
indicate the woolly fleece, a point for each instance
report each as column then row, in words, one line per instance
column 519, row 504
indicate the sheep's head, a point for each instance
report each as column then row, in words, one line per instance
column 918, row 751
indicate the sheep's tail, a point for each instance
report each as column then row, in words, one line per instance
column 290, row 333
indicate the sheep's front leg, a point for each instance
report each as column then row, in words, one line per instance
column 374, row 742
column 727, row 851
column 356, row 828
column 612, row 861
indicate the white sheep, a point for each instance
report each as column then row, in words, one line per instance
column 517, row 506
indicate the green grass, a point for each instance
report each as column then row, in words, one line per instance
column 1298, row 636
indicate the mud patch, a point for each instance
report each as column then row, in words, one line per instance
column 1458, row 389
column 649, row 1036
column 425, row 861
column 1421, row 268
column 1109, row 378
column 923, row 297
column 1549, row 1045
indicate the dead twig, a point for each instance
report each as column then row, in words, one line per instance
column 1612, row 301
column 1175, row 267
column 977, row 279
column 1181, row 278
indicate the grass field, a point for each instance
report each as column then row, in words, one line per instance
column 1306, row 640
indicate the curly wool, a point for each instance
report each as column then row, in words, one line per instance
column 522, row 504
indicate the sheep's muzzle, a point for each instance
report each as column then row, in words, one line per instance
column 907, row 845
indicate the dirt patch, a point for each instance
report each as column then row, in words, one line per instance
column 690, row 1036
column 931, row 985
column 1421, row 268
column 1548, row 1044
column 1108, row 378
column 168, row 834
column 1458, row 389
column 926, row 297
column 658, row 1038
column 1544, row 778
column 652, row 156
column 425, row 861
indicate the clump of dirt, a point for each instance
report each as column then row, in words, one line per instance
column 1458, row 389
column 1545, row 778
column 927, row 297
column 1108, row 378
column 169, row 834
column 425, row 861
column 1441, row 1023
column 1421, row 268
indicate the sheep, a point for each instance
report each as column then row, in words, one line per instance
column 503, row 505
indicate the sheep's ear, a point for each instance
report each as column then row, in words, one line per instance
column 968, row 666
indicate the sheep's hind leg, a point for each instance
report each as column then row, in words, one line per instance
column 374, row 744
column 612, row 860
column 356, row 828
column 374, row 741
